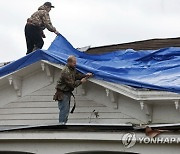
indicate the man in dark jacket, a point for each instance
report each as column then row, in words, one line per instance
column 35, row 26
column 69, row 79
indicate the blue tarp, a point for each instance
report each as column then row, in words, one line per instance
column 153, row 69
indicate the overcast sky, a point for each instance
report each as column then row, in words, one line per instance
column 90, row 22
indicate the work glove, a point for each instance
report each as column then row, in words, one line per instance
column 56, row 32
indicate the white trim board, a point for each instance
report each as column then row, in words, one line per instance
column 133, row 93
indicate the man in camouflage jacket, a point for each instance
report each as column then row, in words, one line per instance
column 69, row 79
column 35, row 26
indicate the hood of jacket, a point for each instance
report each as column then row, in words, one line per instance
column 43, row 7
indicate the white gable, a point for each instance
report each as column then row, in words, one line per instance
column 26, row 99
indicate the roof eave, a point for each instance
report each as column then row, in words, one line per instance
column 128, row 91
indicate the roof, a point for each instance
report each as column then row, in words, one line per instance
column 151, row 44
column 131, row 92
column 31, row 90
column 3, row 64
column 96, row 127
column 75, row 127
column 148, row 69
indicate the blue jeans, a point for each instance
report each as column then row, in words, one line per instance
column 64, row 107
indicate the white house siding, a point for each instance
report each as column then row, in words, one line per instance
column 35, row 106
column 31, row 79
column 57, row 142
column 39, row 108
column 64, row 147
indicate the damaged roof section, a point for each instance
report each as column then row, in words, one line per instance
column 152, row 44
column 156, row 70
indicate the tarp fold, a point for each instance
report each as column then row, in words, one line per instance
column 152, row 69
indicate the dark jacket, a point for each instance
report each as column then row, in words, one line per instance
column 69, row 79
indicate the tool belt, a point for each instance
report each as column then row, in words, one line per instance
column 58, row 96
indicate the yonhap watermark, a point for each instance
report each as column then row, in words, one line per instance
column 130, row 139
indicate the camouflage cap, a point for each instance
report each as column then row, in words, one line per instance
column 48, row 4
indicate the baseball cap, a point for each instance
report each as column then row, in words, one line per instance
column 48, row 4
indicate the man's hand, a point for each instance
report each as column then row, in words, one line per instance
column 43, row 35
column 56, row 32
column 83, row 80
column 88, row 75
